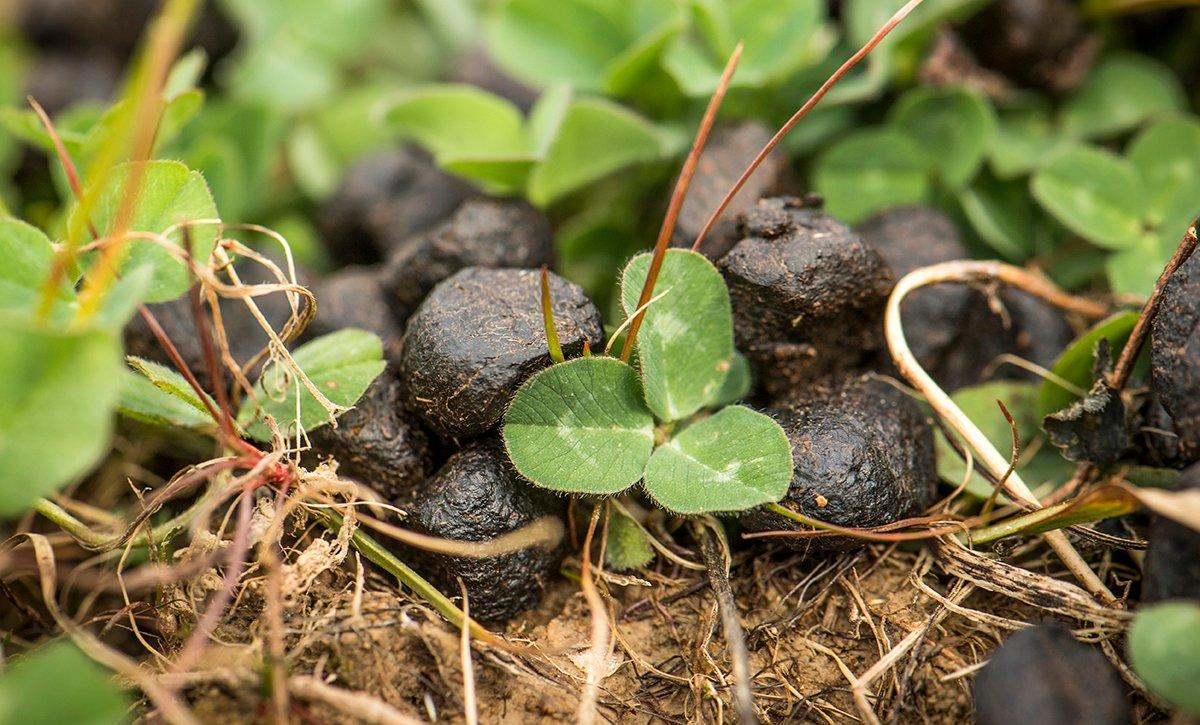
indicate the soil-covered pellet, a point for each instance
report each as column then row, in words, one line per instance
column 481, row 233
column 478, row 496
column 862, row 454
column 1042, row 676
column 728, row 151
column 354, row 297
column 1029, row 329
column 1172, row 566
column 478, row 336
column 909, row 237
column 379, row 444
column 1037, row 43
column 1175, row 356
column 384, row 199
column 808, row 294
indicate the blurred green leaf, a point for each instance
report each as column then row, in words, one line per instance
column 1135, row 269
column 170, row 193
column 1123, row 91
column 57, row 394
column 342, row 365
column 777, row 34
column 1164, row 648
column 545, row 42
column 953, row 127
column 1095, row 194
column 1002, row 214
column 55, row 684
column 1025, row 137
column 870, row 170
column 28, row 256
column 979, row 404
column 458, row 120
column 1167, row 154
column 596, row 138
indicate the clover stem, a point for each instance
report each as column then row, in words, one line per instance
column 678, row 194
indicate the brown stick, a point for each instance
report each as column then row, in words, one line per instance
column 1137, row 338
column 717, row 566
column 808, row 106
column 677, row 196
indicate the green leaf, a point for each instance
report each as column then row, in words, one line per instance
column 170, row 193
column 170, row 382
column 28, row 256
column 580, row 427
column 778, row 38
column 458, row 120
column 1076, row 362
column 730, row 461
column 1025, row 137
column 1164, row 648
column 142, row 401
column 342, row 365
column 473, row 133
column 1167, row 155
column 1095, row 194
column 596, row 138
column 979, row 404
column 953, row 126
column 1122, row 92
column 544, row 42
column 1002, row 214
column 57, row 683
column 685, row 346
column 546, row 117
column 871, row 170
column 737, row 383
column 627, row 546
column 1135, row 269
column 57, row 393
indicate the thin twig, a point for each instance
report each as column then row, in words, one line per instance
column 470, row 708
column 715, row 551
column 801, row 113
column 586, row 714
column 678, row 194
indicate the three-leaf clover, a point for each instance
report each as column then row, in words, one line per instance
column 595, row 425
column 1136, row 206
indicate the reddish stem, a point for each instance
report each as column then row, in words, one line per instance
column 808, row 106
column 677, row 197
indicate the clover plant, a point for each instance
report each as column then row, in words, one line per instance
column 596, row 425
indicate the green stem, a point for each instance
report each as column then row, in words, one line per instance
column 377, row 554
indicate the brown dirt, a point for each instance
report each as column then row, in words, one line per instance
column 669, row 663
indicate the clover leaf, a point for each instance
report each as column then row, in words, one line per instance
column 565, row 144
column 588, row 425
column 685, row 346
column 1164, row 648
column 581, row 426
